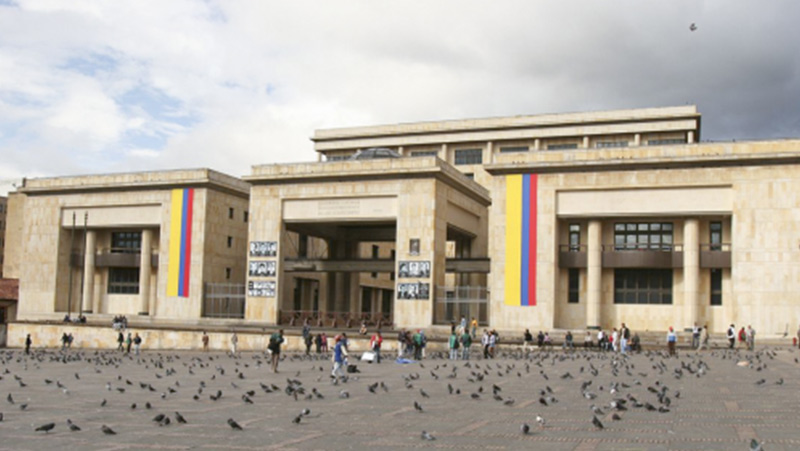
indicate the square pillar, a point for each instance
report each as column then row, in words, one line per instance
column 594, row 273
column 691, row 270
column 88, row 271
column 145, row 271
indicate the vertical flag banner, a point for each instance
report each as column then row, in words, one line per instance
column 180, row 243
column 520, row 276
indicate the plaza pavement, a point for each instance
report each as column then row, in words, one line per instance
column 722, row 409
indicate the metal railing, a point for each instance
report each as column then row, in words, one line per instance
column 716, row 247
column 339, row 320
column 453, row 303
column 224, row 300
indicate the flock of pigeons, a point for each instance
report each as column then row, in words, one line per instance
column 610, row 384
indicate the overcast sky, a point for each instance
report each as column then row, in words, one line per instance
column 110, row 86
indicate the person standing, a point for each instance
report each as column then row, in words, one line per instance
column 731, row 335
column 318, row 343
column 309, row 340
column 601, row 338
column 568, row 342
column 339, row 357
column 624, row 337
column 492, row 343
column 703, row 338
column 418, row 345
column 466, row 343
column 453, row 345
column 671, row 340
column 423, row 342
column 64, row 340
column 375, row 344
column 742, row 337
column 70, row 339
column 401, row 343
column 474, row 327
column 128, row 343
column 120, row 342
column 751, row 338
column 540, row 340
column 137, row 344
column 587, row 340
column 205, row 341
column 275, row 341
column 463, row 324
column 695, row 336
column 28, row 343
column 485, row 344
column 798, row 337
column 615, row 340
column 234, row 343
column 527, row 340
column 324, row 341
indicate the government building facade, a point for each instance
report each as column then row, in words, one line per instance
column 563, row 221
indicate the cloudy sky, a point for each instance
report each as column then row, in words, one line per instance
column 106, row 86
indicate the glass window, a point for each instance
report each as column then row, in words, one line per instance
column 574, row 237
column 469, row 156
column 643, row 286
column 123, row 281
column 574, row 286
column 230, row 241
column 565, row 146
column 643, row 236
column 425, row 153
column 611, row 144
column 715, row 229
column 666, row 142
column 126, row 242
column 230, row 213
column 246, row 216
column 511, row 149
column 716, row 287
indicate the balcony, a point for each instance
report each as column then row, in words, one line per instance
column 572, row 256
column 114, row 258
column 716, row 256
column 671, row 256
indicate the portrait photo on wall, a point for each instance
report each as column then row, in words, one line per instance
column 262, row 289
column 262, row 268
column 263, row 248
column 412, row 291
column 414, row 269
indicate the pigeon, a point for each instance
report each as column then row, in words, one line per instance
column 615, row 417
column 46, row 427
column 424, row 393
column 426, row 436
column 525, row 429
column 1, row 416
column 72, row 426
column 103, row 404
column 597, row 422
column 692, row 27
column 417, row 406
column 180, row 418
column 540, row 420
column 306, row 412
column 159, row 418
column 234, row 425
column 10, row 398
column 107, row 430
column 755, row 446
column 297, row 419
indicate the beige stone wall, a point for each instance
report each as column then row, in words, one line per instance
column 15, row 223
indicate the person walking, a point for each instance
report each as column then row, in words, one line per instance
column 28, row 343
column 492, row 343
column 540, row 340
column 527, row 340
column 671, row 340
column 695, row 336
column 205, row 341
column 339, row 357
column 751, row 338
column 234, row 343
column 601, row 340
column 485, row 344
column 64, row 340
column 453, row 345
column 466, row 343
column 731, row 335
column 120, row 342
column 375, row 344
column 474, row 327
column 275, row 341
column 703, row 338
column 137, row 344
column 128, row 343
column 418, row 345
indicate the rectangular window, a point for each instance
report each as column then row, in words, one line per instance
column 512, row 149
column 337, row 157
column 425, row 153
column 123, row 281
column 470, row 176
column 715, row 238
column 666, row 142
column 610, row 144
column 574, row 286
column 246, row 216
column 375, row 250
column 469, row 156
column 574, row 237
column 643, row 286
column 230, row 241
column 230, row 213
column 652, row 236
column 227, row 274
column 302, row 246
column 564, row 146
column 126, row 242
column 716, row 287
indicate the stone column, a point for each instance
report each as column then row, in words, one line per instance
column 637, row 139
column 691, row 270
column 145, row 270
column 88, row 271
column 690, row 137
column 585, row 144
column 594, row 273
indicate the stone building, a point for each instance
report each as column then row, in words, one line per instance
column 562, row 221
column 3, row 214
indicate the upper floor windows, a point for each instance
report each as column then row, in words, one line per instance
column 666, row 142
column 126, row 242
column 643, row 236
column 562, row 146
column 424, row 153
column 469, row 156
column 610, row 144
column 511, row 149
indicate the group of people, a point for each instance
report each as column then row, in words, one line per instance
column 411, row 344
column 119, row 322
column 80, row 319
column 747, row 338
column 66, row 340
column 124, row 344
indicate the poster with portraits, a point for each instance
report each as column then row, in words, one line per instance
column 414, row 269
column 262, row 268
column 263, row 248
column 261, row 289
column 413, row 291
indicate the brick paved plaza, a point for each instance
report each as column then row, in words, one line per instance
column 723, row 409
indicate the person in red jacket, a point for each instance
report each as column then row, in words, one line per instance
column 375, row 344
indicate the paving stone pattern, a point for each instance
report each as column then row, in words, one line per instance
column 724, row 408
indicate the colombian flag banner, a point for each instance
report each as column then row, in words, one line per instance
column 520, row 276
column 180, row 243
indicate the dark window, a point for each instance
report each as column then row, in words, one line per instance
column 338, row 157
column 302, row 246
column 666, row 142
column 227, row 273
column 123, row 281
column 715, row 229
column 425, row 153
column 611, row 144
column 375, row 250
column 564, row 146
column 643, row 286
column 716, row 287
column 574, row 237
column 512, row 149
column 246, row 216
column 391, row 274
column 469, row 156
column 126, row 242
column 230, row 241
column 386, row 301
column 470, row 176
column 643, row 236
column 574, row 286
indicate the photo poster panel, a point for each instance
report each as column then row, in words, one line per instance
column 263, row 248
column 414, row 269
column 262, row 268
column 413, row 291
column 261, row 288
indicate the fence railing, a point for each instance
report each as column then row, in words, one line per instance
column 339, row 320
column 224, row 300
column 453, row 303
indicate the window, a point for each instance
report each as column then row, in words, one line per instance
column 470, row 176
column 230, row 241
column 643, row 236
column 512, row 149
column 425, row 153
column 469, row 156
column 227, row 274
column 230, row 213
column 574, row 286
column 666, row 142
column 715, row 238
column 123, row 281
column 302, row 246
column 126, row 242
column 337, row 157
column 574, row 237
column 611, row 144
column 375, row 250
column 564, row 146
column 246, row 216
column 643, row 286
column 391, row 274
column 716, row 287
